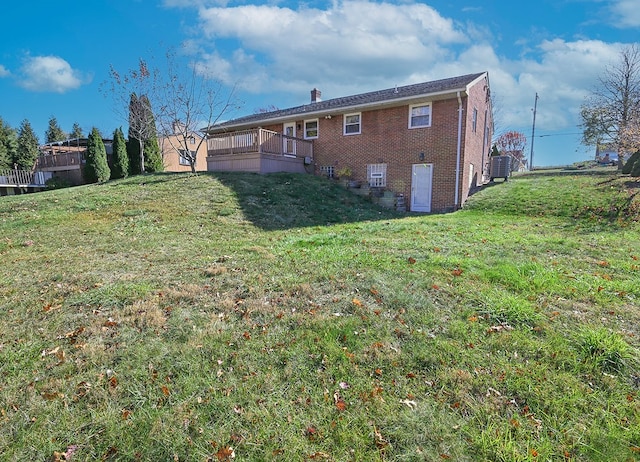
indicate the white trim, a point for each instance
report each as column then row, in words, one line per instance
column 416, row 183
column 345, row 124
column 377, row 175
column 411, row 115
column 458, row 153
column 289, row 145
column 304, row 128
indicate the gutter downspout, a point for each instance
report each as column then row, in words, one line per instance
column 458, row 153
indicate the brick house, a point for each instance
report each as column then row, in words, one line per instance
column 429, row 142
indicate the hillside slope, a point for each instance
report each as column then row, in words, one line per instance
column 280, row 317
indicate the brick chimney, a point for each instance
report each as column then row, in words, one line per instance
column 316, row 95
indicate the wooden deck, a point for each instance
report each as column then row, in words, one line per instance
column 259, row 151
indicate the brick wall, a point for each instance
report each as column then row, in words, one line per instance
column 386, row 138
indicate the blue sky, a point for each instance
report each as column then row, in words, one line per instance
column 54, row 56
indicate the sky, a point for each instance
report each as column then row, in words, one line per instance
column 55, row 57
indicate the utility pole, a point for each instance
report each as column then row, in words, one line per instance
column 533, row 131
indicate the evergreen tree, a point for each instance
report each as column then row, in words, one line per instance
column 28, row 147
column 76, row 131
column 133, row 153
column 8, row 145
column 143, row 136
column 54, row 132
column 120, row 157
column 635, row 171
column 153, row 156
column 96, row 168
column 631, row 163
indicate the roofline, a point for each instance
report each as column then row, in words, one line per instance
column 343, row 109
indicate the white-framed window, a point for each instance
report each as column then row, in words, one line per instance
column 192, row 140
column 328, row 171
column 311, row 129
column 352, row 124
column 183, row 160
column 420, row 115
column 377, row 175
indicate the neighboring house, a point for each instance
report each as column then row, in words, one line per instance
column 64, row 159
column 171, row 147
column 428, row 142
column 607, row 154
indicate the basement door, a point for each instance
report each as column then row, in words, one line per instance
column 421, row 179
column 289, row 144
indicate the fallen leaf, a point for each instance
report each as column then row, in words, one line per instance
column 411, row 260
column 225, row 454
column 380, row 441
column 409, row 403
column 49, row 396
column 356, row 302
column 339, row 402
column 457, row 272
column 165, row 390
column 319, row 455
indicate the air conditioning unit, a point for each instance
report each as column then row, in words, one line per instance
column 500, row 167
column 307, row 161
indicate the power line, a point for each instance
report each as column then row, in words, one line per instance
column 558, row 134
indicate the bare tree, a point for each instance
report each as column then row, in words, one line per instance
column 512, row 144
column 187, row 101
column 131, row 91
column 611, row 113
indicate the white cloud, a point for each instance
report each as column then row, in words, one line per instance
column 353, row 46
column 4, row 72
column 49, row 74
column 626, row 13
column 375, row 41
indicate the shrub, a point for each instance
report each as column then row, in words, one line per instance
column 633, row 163
column 57, row 182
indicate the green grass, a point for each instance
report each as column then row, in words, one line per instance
column 174, row 317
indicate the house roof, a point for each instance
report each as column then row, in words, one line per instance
column 387, row 97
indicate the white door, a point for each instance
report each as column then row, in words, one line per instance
column 421, row 176
column 289, row 144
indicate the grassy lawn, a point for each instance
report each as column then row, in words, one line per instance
column 280, row 317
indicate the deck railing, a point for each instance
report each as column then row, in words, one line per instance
column 22, row 178
column 63, row 159
column 259, row 140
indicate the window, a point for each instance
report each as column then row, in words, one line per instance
column 311, row 129
column 420, row 115
column 474, row 119
column 377, row 175
column 192, row 140
column 327, row 170
column 183, row 160
column 352, row 124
